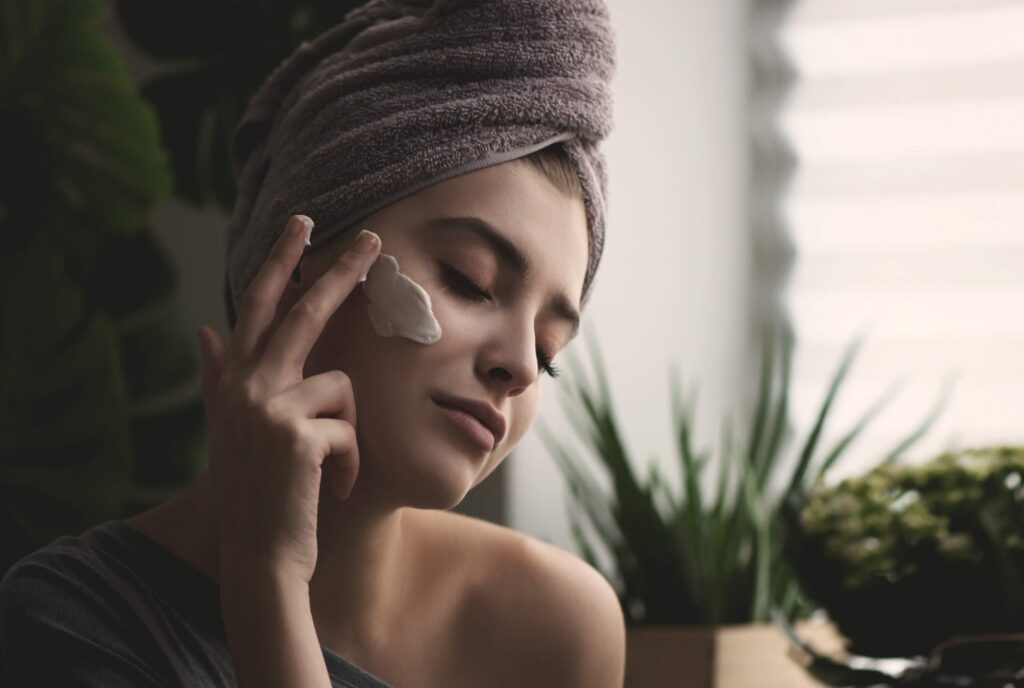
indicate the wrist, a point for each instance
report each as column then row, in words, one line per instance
column 244, row 577
column 269, row 625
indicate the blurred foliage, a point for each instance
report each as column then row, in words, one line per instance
column 215, row 54
column 90, row 335
column 907, row 556
column 102, row 415
column 697, row 556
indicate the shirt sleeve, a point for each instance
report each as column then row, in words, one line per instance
column 53, row 634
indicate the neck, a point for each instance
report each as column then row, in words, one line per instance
column 356, row 588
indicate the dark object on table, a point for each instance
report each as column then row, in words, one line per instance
column 986, row 661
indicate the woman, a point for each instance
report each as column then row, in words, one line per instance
column 318, row 549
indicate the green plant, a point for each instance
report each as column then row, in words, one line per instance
column 89, row 329
column 102, row 415
column 907, row 556
column 690, row 558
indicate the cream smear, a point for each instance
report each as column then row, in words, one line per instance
column 398, row 306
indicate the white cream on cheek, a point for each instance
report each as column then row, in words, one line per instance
column 398, row 306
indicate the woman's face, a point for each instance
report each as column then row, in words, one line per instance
column 490, row 346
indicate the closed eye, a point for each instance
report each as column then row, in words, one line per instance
column 462, row 286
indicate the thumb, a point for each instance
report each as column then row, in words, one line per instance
column 211, row 351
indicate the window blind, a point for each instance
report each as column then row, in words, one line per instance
column 906, row 212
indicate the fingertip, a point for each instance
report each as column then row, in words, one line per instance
column 216, row 344
column 297, row 226
column 210, row 345
column 307, row 228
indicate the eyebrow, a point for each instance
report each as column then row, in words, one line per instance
column 508, row 252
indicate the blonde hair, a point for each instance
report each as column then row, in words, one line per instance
column 554, row 163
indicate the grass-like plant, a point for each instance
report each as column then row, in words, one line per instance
column 701, row 556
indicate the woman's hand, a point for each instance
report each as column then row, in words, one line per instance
column 267, row 445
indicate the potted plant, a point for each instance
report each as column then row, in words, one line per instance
column 913, row 562
column 691, row 566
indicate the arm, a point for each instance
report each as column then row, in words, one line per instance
column 270, row 631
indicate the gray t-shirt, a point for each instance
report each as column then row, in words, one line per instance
column 114, row 608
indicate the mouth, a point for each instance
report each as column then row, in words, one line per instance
column 478, row 420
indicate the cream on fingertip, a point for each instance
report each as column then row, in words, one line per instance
column 308, row 223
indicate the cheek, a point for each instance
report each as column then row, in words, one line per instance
column 349, row 343
column 454, row 314
column 523, row 411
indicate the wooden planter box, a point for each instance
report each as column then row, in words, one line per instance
column 745, row 656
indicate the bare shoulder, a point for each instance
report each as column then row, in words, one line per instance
column 547, row 617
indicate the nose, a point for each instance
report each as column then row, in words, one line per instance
column 509, row 361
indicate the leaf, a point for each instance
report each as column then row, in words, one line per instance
column 763, row 400
column 854, row 432
column 806, row 454
column 780, row 417
column 658, row 573
column 138, row 260
column 65, row 456
column 83, row 339
column 925, row 425
column 72, row 124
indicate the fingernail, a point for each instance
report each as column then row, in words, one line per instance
column 365, row 242
column 366, row 270
column 307, row 226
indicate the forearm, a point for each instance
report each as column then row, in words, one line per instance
column 270, row 632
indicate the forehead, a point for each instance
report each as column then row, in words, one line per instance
column 548, row 227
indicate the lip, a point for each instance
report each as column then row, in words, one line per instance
column 476, row 413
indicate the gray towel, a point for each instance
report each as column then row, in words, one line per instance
column 406, row 93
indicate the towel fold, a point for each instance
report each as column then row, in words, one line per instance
column 407, row 93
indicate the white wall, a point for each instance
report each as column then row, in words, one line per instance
column 672, row 279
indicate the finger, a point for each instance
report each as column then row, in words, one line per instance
column 211, row 351
column 341, row 454
column 291, row 343
column 329, row 394
column 259, row 303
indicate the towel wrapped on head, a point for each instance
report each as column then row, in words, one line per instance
column 407, row 93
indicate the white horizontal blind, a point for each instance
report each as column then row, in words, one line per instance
column 906, row 210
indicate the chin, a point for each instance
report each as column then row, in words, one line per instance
column 435, row 494
column 436, row 479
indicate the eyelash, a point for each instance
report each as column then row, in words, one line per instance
column 467, row 288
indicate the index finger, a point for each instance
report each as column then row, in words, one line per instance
column 259, row 303
column 299, row 330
